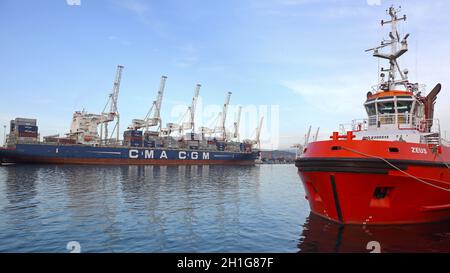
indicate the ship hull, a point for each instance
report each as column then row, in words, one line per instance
column 347, row 187
column 81, row 154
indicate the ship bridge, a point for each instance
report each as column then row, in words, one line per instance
column 394, row 110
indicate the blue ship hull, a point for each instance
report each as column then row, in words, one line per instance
column 82, row 154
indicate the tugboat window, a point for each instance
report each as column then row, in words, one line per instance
column 404, row 106
column 370, row 108
column 386, row 107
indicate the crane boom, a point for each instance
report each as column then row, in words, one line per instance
column 113, row 109
column 224, row 114
column 158, row 102
column 258, row 133
column 115, row 92
column 236, row 123
column 193, row 106
column 155, row 119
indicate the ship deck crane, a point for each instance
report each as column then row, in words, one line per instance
column 191, row 124
column 256, row 140
column 221, row 130
column 237, row 123
column 113, row 109
column 258, row 133
column 153, row 117
column 183, row 125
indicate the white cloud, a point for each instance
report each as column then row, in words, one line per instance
column 331, row 94
column 373, row 2
column 73, row 2
column 187, row 56
column 119, row 40
column 135, row 6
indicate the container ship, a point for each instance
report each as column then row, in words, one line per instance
column 145, row 142
column 393, row 166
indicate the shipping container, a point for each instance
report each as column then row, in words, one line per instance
column 25, row 121
column 50, row 139
column 192, row 136
column 135, row 144
column 220, row 146
column 150, row 143
column 27, row 139
column 12, row 126
column 241, row 147
column 67, row 141
column 133, row 133
column 193, row 143
column 151, row 133
column 27, row 128
column 28, row 134
column 130, row 139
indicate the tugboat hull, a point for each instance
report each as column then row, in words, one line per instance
column 345, row 186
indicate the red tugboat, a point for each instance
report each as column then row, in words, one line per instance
column 391, row 168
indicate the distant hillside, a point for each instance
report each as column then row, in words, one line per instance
column 277, row 155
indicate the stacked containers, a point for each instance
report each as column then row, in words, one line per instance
column 149, row 134
column 25, row 129
column 192, row 136
column 12, row 127
column 67, row 141
column 241, row 147
column 159, row 143
column 248, row 147
column 220, row 145
column 172, row 142
column 133, row 138
column 193, row 144
column 149, row 143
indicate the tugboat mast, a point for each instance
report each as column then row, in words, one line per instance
column 398, row 48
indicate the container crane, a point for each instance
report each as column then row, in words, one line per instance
column 113, row 109
column 153, row 117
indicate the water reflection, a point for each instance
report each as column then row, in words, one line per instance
column 21, row 186
column 320, row 235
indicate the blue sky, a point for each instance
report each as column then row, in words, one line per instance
column 305, row 56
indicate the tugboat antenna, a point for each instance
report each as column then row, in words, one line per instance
column 396, row 51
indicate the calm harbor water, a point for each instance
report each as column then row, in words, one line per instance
column 181, row 209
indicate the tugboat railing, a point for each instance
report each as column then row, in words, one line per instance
column 403, row 122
